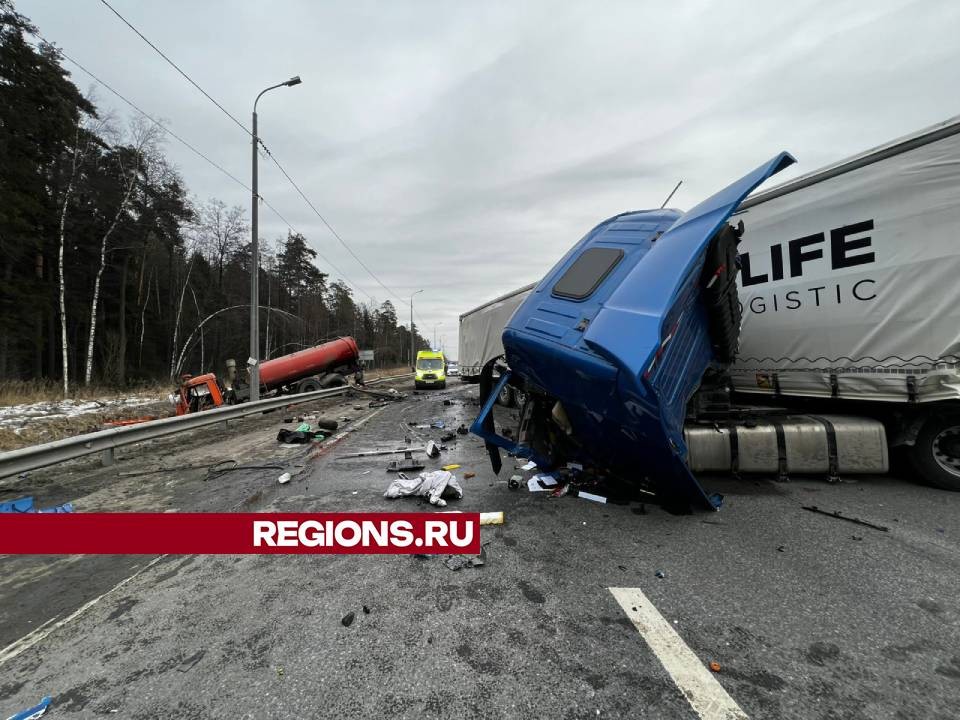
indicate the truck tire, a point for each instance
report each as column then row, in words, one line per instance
column 333, row 380
column 936, row 453
column 310, row 384
column 505, row 398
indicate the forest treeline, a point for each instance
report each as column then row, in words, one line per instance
column 108, row 266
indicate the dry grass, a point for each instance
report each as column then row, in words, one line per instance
column 21, row 392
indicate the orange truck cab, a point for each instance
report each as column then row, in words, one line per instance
column 197, row 393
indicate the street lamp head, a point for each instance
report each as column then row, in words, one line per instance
column 295, row 80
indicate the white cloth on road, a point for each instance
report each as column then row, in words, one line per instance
column 435, row 486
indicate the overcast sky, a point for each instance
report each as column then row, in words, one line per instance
column 463, row 147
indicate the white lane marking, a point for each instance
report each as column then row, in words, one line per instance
column 705, row 695
column 32, row 638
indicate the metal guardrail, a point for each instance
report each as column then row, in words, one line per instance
column 105, row 441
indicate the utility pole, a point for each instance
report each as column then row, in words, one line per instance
column 413, row 353
column 253, row 362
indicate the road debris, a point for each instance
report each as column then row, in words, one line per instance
column 714, row 666
column 437, row 486
column 468, row 475
column 660, row 574
column 449, row 468
column 300, row 437
column 448, row 436
column 492, row 518
column 347, row 620
column 407, row 464
column 840, row 516
column 366, row 609
column 458, row 562
column 591, row 496
column 284, row 479
column 462, row 430
column 25, row 505
column 32, row 713
column 514, row 482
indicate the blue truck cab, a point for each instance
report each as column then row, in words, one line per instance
column 614, row 340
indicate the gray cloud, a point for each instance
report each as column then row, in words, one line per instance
column 463, row 147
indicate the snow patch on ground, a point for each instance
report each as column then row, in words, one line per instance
column 16, row 417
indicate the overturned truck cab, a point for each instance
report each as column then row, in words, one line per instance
column 611, row 345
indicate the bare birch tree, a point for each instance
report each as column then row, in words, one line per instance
column 144, row 140
column 84, row 138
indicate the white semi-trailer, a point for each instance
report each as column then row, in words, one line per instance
column 850, row 290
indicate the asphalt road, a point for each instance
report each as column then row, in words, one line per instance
column 808, row 616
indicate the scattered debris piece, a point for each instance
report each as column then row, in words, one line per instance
column 300, row 437
column 129, row 421
column 506, row 432
column 288, row 420
column 448, row 402
column 660, row 574
column 574, row 466
column 546, row 479
column 856, row 537
column 347, row 619
column 280, row 671
column 491, row 518
column 435, row 486
column 407, row 464
column 438, row 424
column 837, row 514
column 714, row 666
column 781, row 548
column 448, row 468
column 421, row 556
column 534, row 486
column 432, row 450
column 366, row 609
column 458, row 562
column 529, row 466
column 591, row 496
column 468, row 475
column 448, row 436
column 462, row 430
column 32, row 713
column 284, row 479
column 514, row 482
column 25, row 505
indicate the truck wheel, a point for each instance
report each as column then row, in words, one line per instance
column 333, row 380
column 505, row 397
column 936, row 453
column 308, row 385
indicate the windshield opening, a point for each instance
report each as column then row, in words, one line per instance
column 429, row 364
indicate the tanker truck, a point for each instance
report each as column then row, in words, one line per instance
column 316, row 368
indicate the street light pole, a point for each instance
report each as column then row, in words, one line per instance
column 253, row 362
column 435, row 333
column 412, row 336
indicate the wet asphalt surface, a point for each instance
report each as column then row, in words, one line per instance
column 809, row 616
